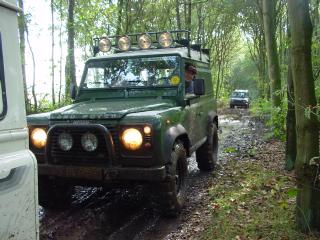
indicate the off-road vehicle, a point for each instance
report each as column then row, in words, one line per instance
column 131, row 121
column 240, row 98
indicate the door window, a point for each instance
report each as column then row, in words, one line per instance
column 3, row 101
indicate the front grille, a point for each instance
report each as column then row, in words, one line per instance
column 77, row 155
column 239, row 101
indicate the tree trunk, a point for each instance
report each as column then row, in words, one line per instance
column 272, row 54
column 52, row 54
column 61, row 54
column 34, row 96
column 185, row 8
column 178, row 14
column 21, row 24
column 189, row 15
column 70, row 68
column 119, row 21
column 291, row 141
column 308, row 198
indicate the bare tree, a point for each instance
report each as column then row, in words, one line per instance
column 52, row 53
column 61, row 54
column 21, row 23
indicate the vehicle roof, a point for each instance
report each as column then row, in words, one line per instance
column 181, row 51
column 241, row 90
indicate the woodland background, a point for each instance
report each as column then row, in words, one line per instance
column 270, row 47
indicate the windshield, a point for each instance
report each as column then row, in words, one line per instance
column 240, row 94
column 132, row 72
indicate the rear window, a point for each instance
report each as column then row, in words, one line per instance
column 3, row 102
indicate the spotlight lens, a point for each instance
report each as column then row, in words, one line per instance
column 165, row 39
column 124, row 43
column 144, row 41
column 65, row 141
column 104, row 45
column 89, row 142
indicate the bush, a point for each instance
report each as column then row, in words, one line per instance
column 44, row 105
column 273, row 117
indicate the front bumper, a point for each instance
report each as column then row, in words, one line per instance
column 240, row 104
column 103, row 174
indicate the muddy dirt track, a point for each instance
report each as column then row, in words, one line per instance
column 127, row 214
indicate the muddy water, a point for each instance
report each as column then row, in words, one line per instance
column 128, row 214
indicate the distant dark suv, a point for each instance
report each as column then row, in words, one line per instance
column 131, row 122
column 240, row 98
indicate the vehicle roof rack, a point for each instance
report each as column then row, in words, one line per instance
column 180, row 38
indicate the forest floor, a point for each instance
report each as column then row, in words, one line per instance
column 248, row 196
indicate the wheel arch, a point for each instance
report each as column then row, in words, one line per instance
column 213, row 118
column 173, row 134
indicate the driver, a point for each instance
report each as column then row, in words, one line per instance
column 190, row 73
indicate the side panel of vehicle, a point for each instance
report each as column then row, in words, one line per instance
column 199, row 107
column 18, row 171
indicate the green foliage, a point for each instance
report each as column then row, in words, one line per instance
column 230, row 150
column 273, row 117
column 253, row 200
column 44, row 105
column 243, row 74
column 292, row 192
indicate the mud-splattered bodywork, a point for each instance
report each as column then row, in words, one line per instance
column 18, row 167
column 107, row 112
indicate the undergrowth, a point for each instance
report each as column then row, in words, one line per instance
column 273, row 117
column 253, row 199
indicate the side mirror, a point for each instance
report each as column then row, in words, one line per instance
column 198, row 87
column 73, row 91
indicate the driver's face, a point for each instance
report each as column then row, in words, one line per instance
column 189, row 75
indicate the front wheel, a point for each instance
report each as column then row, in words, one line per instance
column 207, row 154
column 173, row 191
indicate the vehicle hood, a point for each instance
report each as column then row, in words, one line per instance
column 109, row 109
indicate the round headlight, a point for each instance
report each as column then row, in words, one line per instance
column 89, row 142
column 104, row 45
column 131, row 139
column 165, row 39
column 144, row 41
column 65, row 141
column 39, row 137
column 124, row 43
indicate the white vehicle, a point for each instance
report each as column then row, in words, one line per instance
column 240, row 98
column 18, row 169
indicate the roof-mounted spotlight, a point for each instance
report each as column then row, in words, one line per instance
column 165, row 39
column 124, row 43
column 144, row 41
column 104, row 44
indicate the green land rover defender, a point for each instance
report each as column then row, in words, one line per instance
column 131, row 122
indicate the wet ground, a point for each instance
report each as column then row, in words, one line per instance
column 128, row 214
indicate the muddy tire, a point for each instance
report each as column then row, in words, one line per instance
column 173, row 191
column 207, row 154
column 54, row 194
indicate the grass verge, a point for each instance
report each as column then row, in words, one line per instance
column 253, row 199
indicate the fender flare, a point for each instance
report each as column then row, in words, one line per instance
column 170, row 136
column 213, row 118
